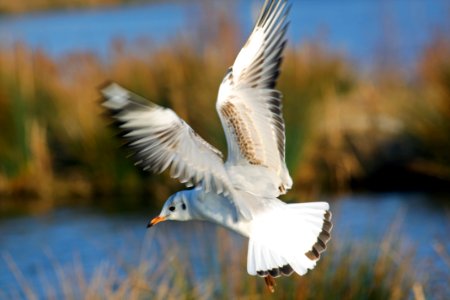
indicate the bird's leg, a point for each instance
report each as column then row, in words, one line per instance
column 270, row 283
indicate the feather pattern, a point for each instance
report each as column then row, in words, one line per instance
column 248, row 105
column 159, row 139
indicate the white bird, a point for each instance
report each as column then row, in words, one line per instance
column 240, row 194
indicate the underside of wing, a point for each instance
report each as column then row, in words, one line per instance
column 159, row 139
column 248, row 105
column 258, row 63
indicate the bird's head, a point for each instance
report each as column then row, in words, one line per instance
column 176, row 208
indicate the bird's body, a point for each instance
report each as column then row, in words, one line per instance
column 270, row 229
column 214, row 208
column 241, row 193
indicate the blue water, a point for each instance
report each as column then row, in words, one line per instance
column 360, row 28
column 92, row 30
column 39, row 245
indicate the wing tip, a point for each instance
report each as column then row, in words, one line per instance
column 110, row 89
column 114, row 96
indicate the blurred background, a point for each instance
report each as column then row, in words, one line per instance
column 366, row 89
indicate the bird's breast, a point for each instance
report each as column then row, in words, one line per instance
column 220, row 210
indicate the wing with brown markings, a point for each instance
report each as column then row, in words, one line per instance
column 248, row 104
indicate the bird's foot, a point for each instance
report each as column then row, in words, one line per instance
column 270, row 283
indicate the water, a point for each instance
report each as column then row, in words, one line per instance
column 360, row 28
column 39, row 245
column 92, row 30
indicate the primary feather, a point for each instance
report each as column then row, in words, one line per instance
column 160, row 139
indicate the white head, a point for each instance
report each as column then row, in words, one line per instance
column 176, row 208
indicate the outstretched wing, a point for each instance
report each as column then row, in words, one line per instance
column 249, row 106
column 160, row 139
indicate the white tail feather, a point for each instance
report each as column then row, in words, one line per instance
column 285, row 236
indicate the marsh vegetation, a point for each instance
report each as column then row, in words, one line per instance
column 56, row 145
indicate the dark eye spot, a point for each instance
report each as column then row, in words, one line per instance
column 172, row 208
column 183, row 206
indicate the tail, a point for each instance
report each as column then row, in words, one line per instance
column 288, row 238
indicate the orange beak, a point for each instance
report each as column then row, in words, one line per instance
column 156, row 221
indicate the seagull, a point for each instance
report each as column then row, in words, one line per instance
column 241, row 193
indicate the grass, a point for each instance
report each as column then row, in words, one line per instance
column 366, row 270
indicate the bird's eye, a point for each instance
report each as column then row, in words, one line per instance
column 183, row 206
column 172, row 208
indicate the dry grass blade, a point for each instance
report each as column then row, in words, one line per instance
column 24, row 285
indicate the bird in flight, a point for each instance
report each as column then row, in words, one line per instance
column 241, row 193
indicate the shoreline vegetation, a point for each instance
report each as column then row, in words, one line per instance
column 373, row 270
column 346, row 129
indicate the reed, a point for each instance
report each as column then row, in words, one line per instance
column 366, row 270
column 56, row 145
